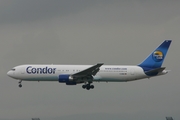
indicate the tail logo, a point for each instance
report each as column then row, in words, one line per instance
column 158, row 56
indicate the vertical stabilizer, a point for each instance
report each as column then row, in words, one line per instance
column 156, row 58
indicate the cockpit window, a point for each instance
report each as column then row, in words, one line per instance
column 13, row 69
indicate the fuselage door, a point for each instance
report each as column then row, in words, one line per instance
column 22, row 71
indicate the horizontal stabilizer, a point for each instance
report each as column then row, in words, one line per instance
column 154, row 71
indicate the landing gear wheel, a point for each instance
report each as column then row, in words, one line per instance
column 92, row 86
column 20, row 85
column 88, row 87
column 83, row 86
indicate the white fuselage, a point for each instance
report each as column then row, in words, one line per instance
column 107, row 73
column 87, row 74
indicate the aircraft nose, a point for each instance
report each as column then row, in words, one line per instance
column 10, row 74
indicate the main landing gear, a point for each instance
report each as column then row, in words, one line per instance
column 20, row 85
column 88, row 86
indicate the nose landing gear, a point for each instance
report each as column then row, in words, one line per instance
column 20, row 85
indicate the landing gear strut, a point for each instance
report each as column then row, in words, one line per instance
column 20, row 85
column 88, row 86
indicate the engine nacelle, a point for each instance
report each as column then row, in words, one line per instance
column 65, row 78
column 68, row 79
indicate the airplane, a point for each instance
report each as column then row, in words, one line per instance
column 87, row 74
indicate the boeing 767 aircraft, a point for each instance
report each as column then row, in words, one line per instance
column 87, row 74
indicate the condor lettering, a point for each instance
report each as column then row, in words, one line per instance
column 45, row 70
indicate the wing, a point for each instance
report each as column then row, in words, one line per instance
column 89, row 72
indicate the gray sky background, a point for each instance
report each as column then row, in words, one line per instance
column 87, row 32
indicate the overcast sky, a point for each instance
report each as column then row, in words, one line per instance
column 88, row 32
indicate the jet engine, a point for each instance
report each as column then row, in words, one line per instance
column 68, row 79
